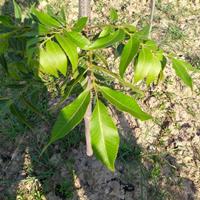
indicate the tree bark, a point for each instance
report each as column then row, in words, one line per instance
column 84, row 11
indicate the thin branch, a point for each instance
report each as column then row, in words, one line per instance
column 152, row 6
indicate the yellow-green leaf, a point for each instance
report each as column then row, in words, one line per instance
column 70, row 49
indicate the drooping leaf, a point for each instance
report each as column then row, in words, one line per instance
column 108, row 40
column 148, row 66
column 113, row 15
column 70, row 116
column 144, row 63
column 17, row 10
column 80, row 24
column 104, row 136
column 59, row 59
column 70, row 49
column 128, row 53
column 124, row 103
column 46, row 19
column 78, row 39
column 180, row 69
column 18, row 114
column 52, row 59
column 154, row 71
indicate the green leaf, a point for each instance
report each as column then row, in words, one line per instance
column 113, row 15
column 124, row 103
column 143, row 34
column 3, row 46
column 53, row 58
column 17, row 10
column 70, row 117
column 148, row 66
column 104, row 136
column 108, row 40
column 106, row 31
column 78, row 39
column 180, row 69
column 80, row 24
column 46, row 19
column 128, row 53
column 32, row 107
column 6, row 21
column 3, row 63
column 21, row 118
column 70, row 49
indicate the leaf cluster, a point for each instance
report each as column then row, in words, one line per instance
column 44, row 44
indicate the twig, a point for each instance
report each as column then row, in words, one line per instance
column 152, row 5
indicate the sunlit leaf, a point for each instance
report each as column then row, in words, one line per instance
column 46, row 19
column 113, row 15
column 70, row 49
column 80, row 24
column 124, row 103
column 78, row 39
column 17, row 10
column 128, row 53
column 104, row 136
column 148, row 66
column 108, row 40
column 70, row 116
column 180, row 69
column 52, row 58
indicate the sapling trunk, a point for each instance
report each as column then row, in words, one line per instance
column 152, row 7
column 84, row 11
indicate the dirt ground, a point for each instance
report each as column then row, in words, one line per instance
column 157, row 160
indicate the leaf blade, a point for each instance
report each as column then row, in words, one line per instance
column 128, row 53
column 124, row 103
column 70, row 116
column 70, row 49
column 181, row 72
column 104, row 136
column 108, row 40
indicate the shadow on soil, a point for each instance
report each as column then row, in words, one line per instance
column 64, row 168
